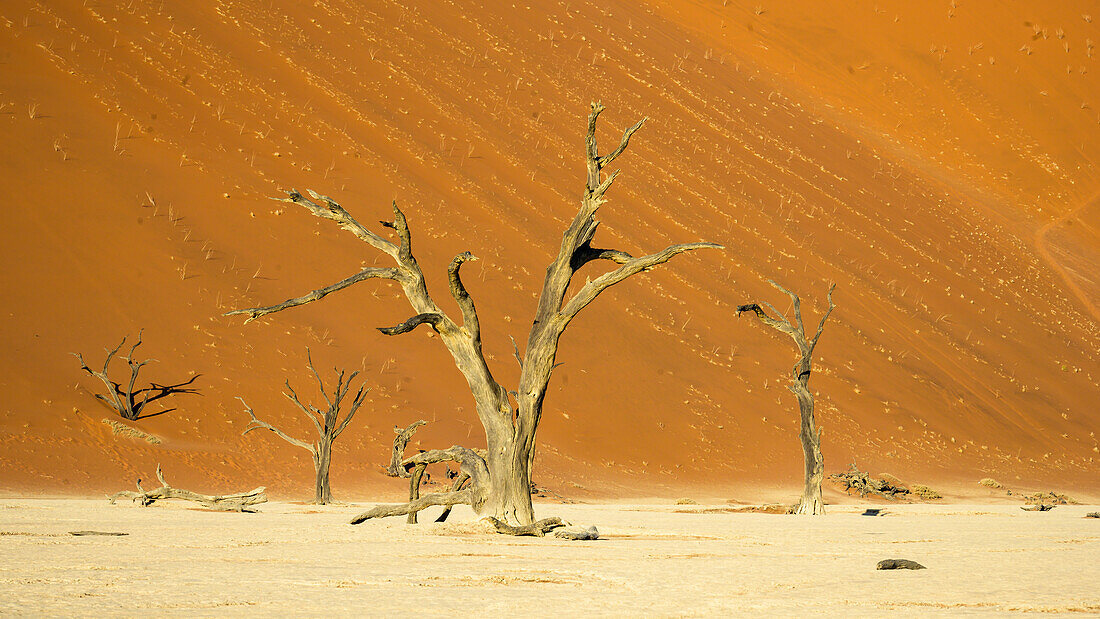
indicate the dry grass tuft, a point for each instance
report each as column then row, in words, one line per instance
column 925, row 492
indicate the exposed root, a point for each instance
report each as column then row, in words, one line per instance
column 240, row 502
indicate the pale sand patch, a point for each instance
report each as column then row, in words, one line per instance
column 653, row 561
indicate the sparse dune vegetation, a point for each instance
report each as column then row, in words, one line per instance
column 937, row 161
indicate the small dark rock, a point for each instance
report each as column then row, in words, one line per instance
column 899, row 564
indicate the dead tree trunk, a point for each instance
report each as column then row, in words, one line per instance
column 327, row 424
column 129, row 402
column 240, row 502
column 395, row 469
column 811, row 502
column 503, row 488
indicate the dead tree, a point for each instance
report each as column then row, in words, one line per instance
column 129, row 402
column 396, row 469
column 811, row 502
column 500, row 484
column 326, row 422
column 240, row 502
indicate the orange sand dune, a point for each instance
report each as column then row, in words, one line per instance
column 937, row 161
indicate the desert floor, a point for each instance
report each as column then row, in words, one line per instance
column 654, row 560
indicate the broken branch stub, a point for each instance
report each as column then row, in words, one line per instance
column 400, row 442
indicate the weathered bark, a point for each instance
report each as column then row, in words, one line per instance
column 322, row 460
column 240, row 502
column 811, row 502
column 414, row 489
column 504, row 489
column 129, row 402
column 399, row 443
column 327, row 423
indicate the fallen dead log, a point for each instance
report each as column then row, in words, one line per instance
column 536, row 529
column 240, row 502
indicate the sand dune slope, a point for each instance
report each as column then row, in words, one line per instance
column 938, row 163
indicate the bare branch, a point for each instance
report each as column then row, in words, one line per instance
column 613, row 155
column 355, row 404
column 592, row 289
column 796, row 303
column 587, row 253
column 257, row 424
column 401, row 225
column 779, row 324
column 824, row 317
column 462, row 297
column 437, row 322
column 317, row 377
column 335, row 212
column 515, row 351
column 311, row 411
column 135, row 367
column 320, row 293
column 461, row 497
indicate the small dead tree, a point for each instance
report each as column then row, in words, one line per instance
column 129, row 402
column 501, row 482
column 811, row 502
column 327, row 422
column 396, row 468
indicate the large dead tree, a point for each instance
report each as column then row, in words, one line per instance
column 500, row 483
column 127, row 401
column 327, row 423
column 811, row 502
